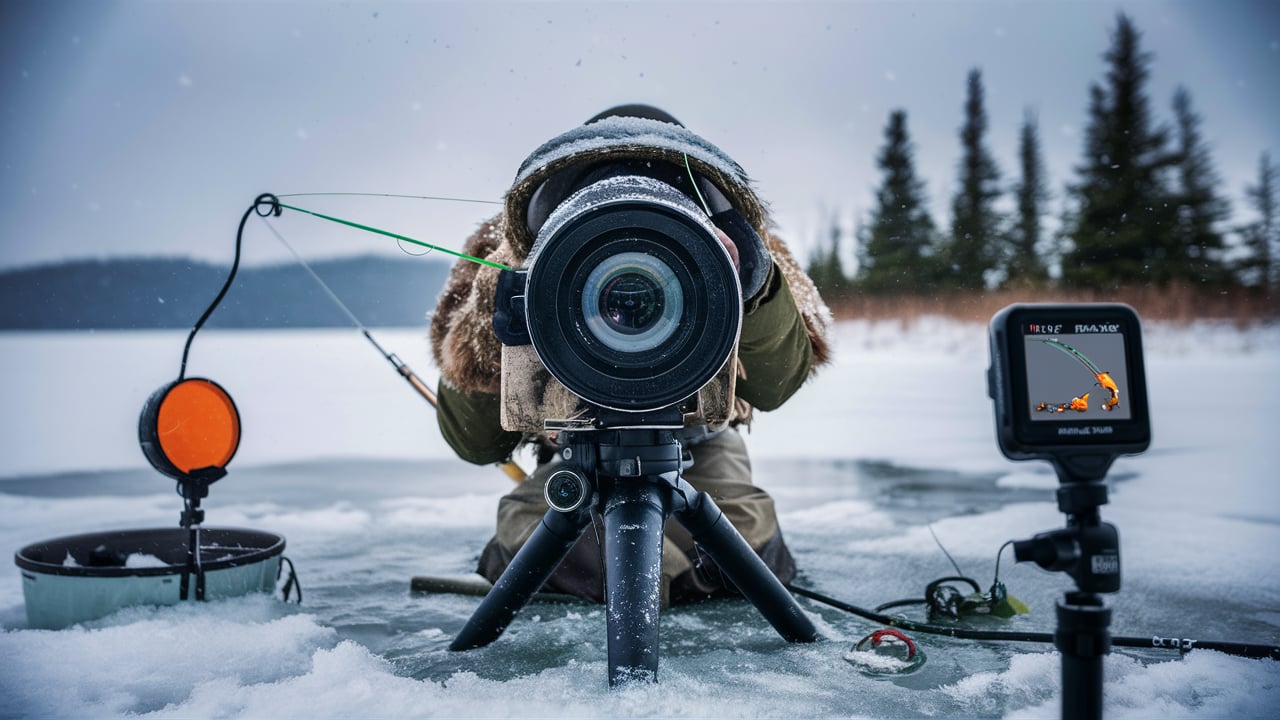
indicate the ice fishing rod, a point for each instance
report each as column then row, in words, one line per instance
column 266, row 205
column 510, row 468
column 1156, row 642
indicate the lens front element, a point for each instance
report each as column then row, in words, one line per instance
column 632, row 302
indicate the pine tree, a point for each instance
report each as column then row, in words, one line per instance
column 1123, row 222
column 1261, row 265
column 972, row 249
column 1197, row 244
column 1026, row 266
column 896, row 252
column 826, row 268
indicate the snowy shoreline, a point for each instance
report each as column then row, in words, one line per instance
column 73, row 397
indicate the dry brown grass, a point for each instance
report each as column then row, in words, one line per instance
column 1175, row 304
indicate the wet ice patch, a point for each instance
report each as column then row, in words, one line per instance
column 455, row 512
column 837, row 517
column 1030, row 479
column 341, row 517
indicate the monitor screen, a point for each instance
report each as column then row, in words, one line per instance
column 1076, row 371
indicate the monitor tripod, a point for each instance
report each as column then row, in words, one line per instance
column 631, row 477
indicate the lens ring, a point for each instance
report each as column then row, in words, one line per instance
column 632, row 302
column 707, row 331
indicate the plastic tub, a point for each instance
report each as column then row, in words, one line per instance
column 76, row 578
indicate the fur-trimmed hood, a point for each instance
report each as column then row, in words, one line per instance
column 462, row 339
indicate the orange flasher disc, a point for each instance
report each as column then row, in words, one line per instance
column 190, row 428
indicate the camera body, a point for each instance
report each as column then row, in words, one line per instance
column 1069, row 385
column 626, row 312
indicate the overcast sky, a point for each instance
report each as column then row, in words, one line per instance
column 146, row 128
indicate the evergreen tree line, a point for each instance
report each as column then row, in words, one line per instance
column 1145, row 207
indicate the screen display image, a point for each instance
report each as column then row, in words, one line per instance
column 1076, row 372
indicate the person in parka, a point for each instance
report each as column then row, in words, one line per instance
column 783, row 340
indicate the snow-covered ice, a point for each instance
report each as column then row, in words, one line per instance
column 341, row 458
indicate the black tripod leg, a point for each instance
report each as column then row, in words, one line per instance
column 722, row 541
column 529, row 569
column 635, row 515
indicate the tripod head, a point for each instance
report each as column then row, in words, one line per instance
column 615, row 444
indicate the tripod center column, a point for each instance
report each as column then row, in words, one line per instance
column 635, row 479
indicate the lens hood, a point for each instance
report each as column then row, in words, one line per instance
column 631, row 302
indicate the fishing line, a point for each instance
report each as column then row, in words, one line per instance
column 694, row 181
column 397, row 236
column 514, row 471
column 944, row 551
column 410, row 253
column 399, row 243
column 392, row 358
column 391, row 195
column 323, row 286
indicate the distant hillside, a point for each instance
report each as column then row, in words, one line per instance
column 172, row 293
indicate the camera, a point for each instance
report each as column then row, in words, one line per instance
column 1069, row 385
column 627, row 312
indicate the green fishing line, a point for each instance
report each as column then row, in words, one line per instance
column 391, row 195
column 397, row 236
column 694, row 181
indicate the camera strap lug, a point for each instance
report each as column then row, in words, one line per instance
column 509, row 321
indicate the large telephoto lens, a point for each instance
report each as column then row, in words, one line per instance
column 632, row 302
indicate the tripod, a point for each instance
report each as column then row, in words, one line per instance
column 1089, row 551
column 631, row 477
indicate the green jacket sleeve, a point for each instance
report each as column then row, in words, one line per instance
column 470, row 424
column 774, row 348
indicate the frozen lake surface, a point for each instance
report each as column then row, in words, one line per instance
column 894, row 439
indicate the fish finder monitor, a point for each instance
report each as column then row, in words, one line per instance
column 1068, row 385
